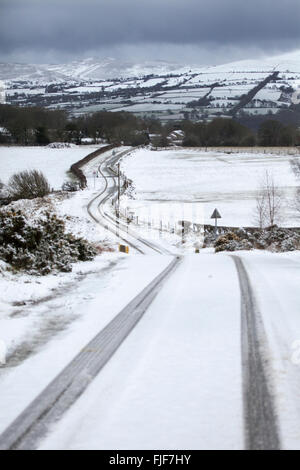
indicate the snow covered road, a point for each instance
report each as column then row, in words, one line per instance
column 176, row 381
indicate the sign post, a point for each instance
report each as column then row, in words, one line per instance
column 216, row 215
column 182, row 231
column 3, row 352
column 94, row 175
column 123, row 249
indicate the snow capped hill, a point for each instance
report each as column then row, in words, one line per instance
column 289, row 62
column 87, row 69
column 30, row 73
column 109, row 68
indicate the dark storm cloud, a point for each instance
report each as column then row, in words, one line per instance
column 68, row 28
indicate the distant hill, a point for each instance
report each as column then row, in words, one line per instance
column 88, row 69
column 159, row 89
column 109, row 68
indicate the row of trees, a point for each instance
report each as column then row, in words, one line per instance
column 27, row 126
column 228, row 132
column 114, row 127
column 38, row 126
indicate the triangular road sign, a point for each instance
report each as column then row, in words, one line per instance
column 216, row 215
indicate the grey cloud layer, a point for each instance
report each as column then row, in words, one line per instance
column 73, row 27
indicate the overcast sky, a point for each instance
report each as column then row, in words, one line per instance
column 185, row 31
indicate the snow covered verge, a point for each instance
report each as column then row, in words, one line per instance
column 17, row 285
column 28, row 301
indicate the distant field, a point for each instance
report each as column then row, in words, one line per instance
column 212, row 179
column 54, row 163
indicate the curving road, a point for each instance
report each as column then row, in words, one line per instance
column 97, row 210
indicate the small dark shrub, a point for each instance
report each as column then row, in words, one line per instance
column 71, row 186
column 28, row 185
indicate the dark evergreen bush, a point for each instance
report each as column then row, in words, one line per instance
column 273, row 238
column 41, row 247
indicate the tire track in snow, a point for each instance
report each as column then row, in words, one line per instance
column 261, row 427
column 34, row 422
column 105, row 198
column 115, row 225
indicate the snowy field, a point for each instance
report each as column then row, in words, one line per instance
column 164, row 180
column 144, row 107
column 54, row 163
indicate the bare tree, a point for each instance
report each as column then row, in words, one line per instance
column 260, row 209
column 269, row 202
column 295, row 164
column 28, row 185
column 297, row 200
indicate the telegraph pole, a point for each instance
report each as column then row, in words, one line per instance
column 119, row 194
column 119, row 186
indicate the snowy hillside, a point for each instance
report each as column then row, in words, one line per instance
column 87, row 69
column 30, row 73
column 283, row 63
column 157, row 89
column 108, row 68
